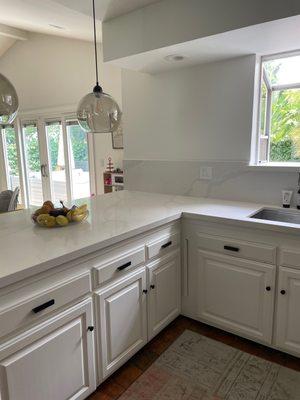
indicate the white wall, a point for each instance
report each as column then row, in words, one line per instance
column 176, row 122
column 197, row 113
column 53, row 72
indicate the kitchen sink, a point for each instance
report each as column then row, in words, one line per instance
column 280, row 215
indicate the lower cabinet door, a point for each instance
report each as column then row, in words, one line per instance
column 52, row 361
column 164, row 292
column 236, row 294
column 288, row 312
column 123, row 321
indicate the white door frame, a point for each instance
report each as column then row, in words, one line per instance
column 40, row 117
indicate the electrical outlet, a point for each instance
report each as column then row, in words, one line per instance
column 206, row 173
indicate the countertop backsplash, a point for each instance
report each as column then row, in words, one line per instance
column 230, row 180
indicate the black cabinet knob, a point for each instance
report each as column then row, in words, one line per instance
column 145, row 291
column 152, row 286
column 91, row 328
column 268, row 288
column 282, row 291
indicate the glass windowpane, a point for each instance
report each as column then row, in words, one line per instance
column 79, row 160
column 285, row 126
column 57, row 161
column 32, row 154
column 283, row 71
column 12, row 161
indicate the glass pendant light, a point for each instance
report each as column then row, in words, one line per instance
column 98, row 112
column 9, row 102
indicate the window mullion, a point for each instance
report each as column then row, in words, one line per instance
column 268, row 120
column 21, row 141
column 66, row 141
column 20, row 156
column 266, row 80
column 3, row 159
column 92, row 164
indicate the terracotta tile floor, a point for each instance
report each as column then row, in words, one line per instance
column 115, row 385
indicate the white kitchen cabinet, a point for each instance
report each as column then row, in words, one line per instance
column 236, row 294
column 164, row 297
column 122, row 314
column 288, row 314
column 52, row 361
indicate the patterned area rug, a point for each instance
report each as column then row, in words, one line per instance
column 195, row 367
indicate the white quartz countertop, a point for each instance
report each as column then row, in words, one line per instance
column 26, row 249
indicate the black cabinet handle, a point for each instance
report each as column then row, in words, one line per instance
column 124, row 266
column 282, row 291
column 145, row 291
column 43, row 306
column 152, row 286
column 166, row 244
column 268, row 288
column 231, row 248
column 91, row 328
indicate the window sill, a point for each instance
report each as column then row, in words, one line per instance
column 278, row 167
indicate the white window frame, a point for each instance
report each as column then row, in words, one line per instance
column 40, row 118
column 3, row 156
column 270, row 89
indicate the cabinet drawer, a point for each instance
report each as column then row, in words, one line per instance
column 114, row 265
column 290, row 258
column 162, row 244
column 30, row 308
column 237, row 248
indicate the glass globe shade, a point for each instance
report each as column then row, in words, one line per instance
column 98, row 113
column 9, row 102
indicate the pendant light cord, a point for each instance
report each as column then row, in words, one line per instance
column 97, row 88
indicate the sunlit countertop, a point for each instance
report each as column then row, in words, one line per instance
column 26, row 249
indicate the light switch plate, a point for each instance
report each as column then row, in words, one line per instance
column 206, row 173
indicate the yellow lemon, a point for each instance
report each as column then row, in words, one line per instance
column 62, row 220
column 46, row 220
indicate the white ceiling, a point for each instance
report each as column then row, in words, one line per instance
column 38, row 15
column 262, row 39
column 106, row 9
column 74, row 16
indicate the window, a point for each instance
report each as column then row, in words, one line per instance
column 79, row 160
column 32, row 163
column 11, row 158
column 48, row 158
column 279, row 117
column 57, row 163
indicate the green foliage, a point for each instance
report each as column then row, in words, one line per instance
column 79, row 143
column 11, row 148
column 53, row 134
column 32, row 148
column 285, row 121
column 78, row 139
column 285, row 126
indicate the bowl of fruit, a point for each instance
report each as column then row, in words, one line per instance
column 49, row 216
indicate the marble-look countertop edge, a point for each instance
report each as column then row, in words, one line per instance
column 66, row 258
column 138, row 211
column 284, row 228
